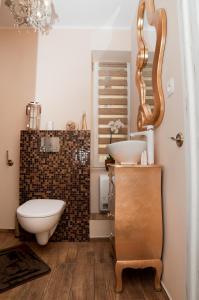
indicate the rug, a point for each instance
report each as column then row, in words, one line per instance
column 18, row 265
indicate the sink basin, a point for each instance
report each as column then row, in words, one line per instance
column 127, row 152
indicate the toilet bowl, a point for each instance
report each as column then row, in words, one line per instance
column 41, row 217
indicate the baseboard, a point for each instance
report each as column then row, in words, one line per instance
column 166, row 291
column 99, row 237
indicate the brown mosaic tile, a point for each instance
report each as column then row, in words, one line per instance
column 63, row 175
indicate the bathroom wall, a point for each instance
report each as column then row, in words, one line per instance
column 172, row 159
column 18, row 55
column 64, row 78
column 60, row 65
column 64, row 71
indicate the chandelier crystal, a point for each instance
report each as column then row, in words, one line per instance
column 39, row 14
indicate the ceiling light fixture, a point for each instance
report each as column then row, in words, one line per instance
column 39, row 14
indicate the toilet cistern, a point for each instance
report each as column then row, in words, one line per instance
column 149, row 133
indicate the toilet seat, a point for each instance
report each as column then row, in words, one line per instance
column 40, row 208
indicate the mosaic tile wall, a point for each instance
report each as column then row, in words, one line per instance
column 63, row 175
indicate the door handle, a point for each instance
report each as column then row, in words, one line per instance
column 179, row 139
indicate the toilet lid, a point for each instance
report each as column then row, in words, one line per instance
column 40, row 208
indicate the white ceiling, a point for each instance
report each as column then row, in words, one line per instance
column 86, row 13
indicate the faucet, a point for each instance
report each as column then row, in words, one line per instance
column 149, row 133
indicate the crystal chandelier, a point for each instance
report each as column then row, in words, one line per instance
column 39, row 14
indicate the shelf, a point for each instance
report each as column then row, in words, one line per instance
column 99, row 216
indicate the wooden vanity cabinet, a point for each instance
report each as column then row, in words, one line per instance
column 137, row 212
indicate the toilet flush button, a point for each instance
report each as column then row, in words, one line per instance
column 170, row 87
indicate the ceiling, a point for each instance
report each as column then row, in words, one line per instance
column 86, row 13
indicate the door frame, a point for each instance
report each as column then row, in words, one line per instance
column 189, row 27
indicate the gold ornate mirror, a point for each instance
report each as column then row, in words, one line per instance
column 151, row 37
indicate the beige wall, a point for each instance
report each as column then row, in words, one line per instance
column 173, row 161
column 18, row 54
column 57, row 70
column 64, row 72
column 64, row 78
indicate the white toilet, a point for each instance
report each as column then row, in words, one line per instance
column 40, row 216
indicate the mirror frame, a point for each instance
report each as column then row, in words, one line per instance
column 157, row 19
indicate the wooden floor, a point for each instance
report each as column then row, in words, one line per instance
column 80, row 271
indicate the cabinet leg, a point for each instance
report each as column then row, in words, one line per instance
column 118, row 277
column 158, row 274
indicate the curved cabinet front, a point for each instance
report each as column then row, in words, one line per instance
column 138, row 219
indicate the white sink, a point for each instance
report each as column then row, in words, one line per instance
column 127, row 152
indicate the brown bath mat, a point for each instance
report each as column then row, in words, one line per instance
column 18, row 265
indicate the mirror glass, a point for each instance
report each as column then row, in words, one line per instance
column 149, row 36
